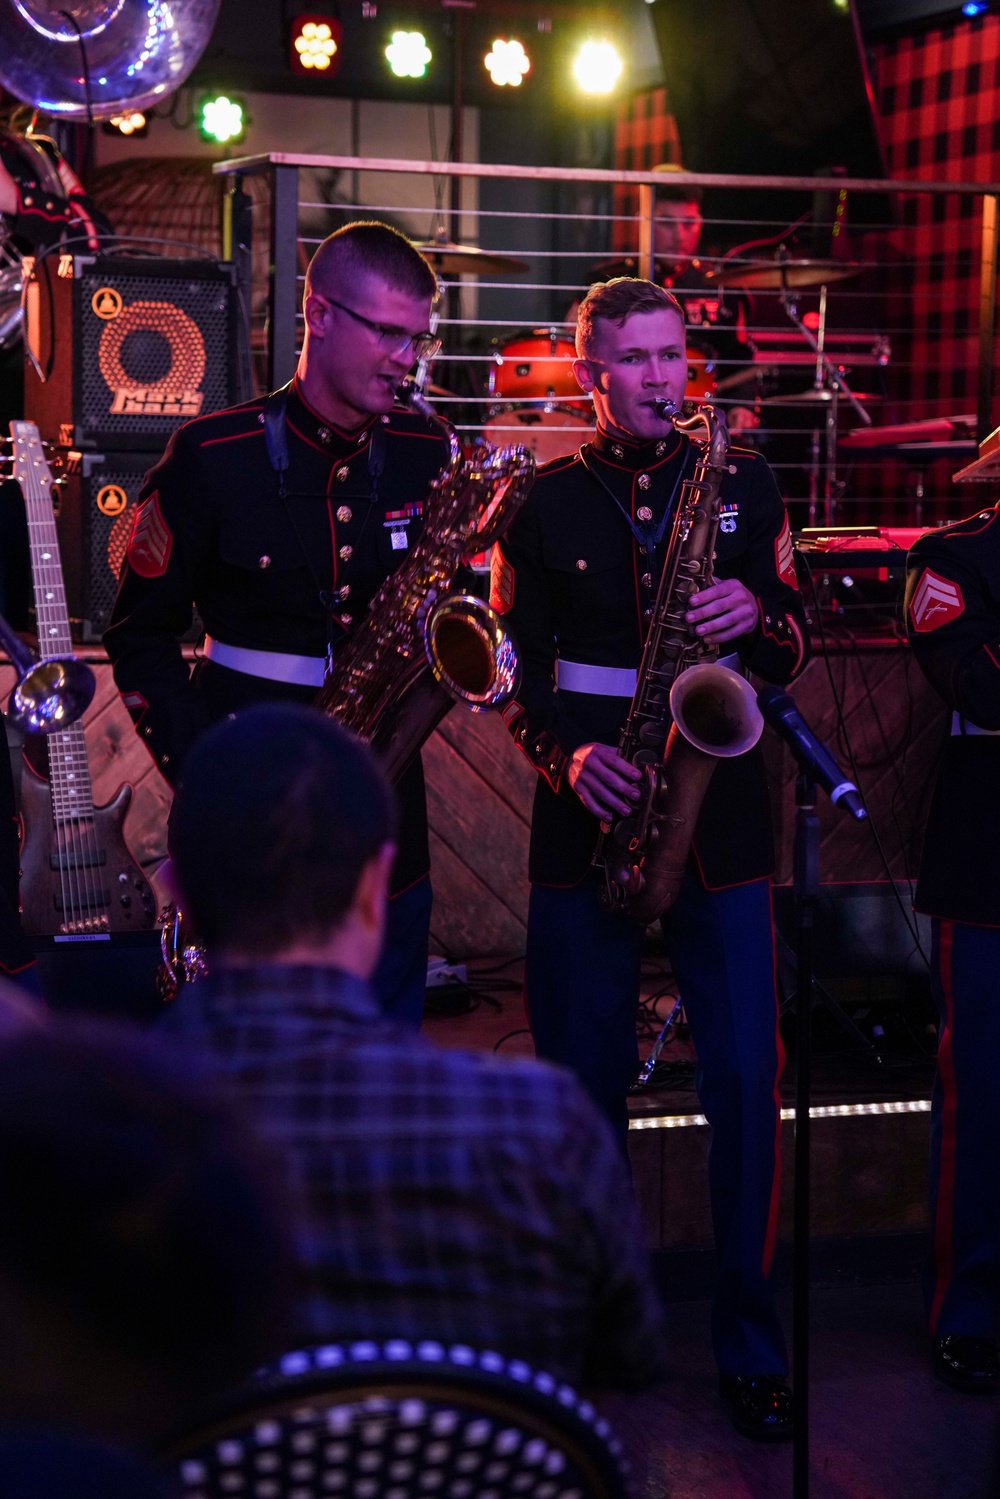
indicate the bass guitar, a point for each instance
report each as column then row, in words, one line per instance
column 78, row 879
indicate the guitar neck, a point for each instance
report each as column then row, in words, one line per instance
column 69, row 773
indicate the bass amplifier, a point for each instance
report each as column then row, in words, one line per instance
column 128, row 348
column 96, row 505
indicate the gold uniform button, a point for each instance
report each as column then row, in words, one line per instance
column 344, row 514
column 345, row 554
column 644, row 513
column 581, row 566
column 647, row 580
column 342, row 473
column 346, row 619
column 618, row 452
column 264, row 562
column 644, row 481
column 324, row 434
column 344, row 592
column 661, row 448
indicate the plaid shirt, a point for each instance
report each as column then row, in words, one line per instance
column 449, row 1195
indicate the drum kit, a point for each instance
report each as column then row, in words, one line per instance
column 535, row 399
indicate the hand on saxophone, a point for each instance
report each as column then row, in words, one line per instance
column 607, row 784
column 723, row 612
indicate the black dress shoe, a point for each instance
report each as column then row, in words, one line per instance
column 966, row 1363
column 760, row 1405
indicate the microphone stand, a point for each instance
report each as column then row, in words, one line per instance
column 806, row 885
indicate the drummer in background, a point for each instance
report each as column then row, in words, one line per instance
column 716, row 320
column 712, row 315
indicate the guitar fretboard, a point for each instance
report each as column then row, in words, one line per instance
column 69, row 773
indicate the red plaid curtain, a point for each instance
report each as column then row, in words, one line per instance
column 645, row 136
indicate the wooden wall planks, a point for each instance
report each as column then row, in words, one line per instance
column 480, row 790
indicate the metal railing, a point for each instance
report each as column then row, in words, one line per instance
column 866, row 387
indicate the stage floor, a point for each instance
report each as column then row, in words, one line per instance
column 881, row 1425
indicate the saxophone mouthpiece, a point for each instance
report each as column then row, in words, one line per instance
column 410, row 394
column 664, row 408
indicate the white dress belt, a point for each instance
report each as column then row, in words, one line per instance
column 961, row 726
column 276, row 666
column 611, row 681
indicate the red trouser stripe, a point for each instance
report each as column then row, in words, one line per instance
column 943, row 1240
column 772, row 1214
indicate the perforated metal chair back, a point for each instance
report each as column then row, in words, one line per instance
column 397, row 1421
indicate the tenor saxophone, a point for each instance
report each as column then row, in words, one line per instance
column 687, row 712
column 421, row 648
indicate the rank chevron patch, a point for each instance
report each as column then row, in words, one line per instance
column 150, row 542
column 936, row 601
column 784, row 556
column 501, row 582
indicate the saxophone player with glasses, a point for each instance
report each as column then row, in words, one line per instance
column 577, row 577
column 278, row 521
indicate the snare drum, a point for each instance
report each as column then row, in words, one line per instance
column 538, row 367
column 546, row 431
column 702, row 382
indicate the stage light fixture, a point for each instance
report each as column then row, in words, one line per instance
column 130, row 122
column 974, row 7
column 315, row 48
column 222, row 119
column 597, row 68
column 408, row 54
column 507, row 63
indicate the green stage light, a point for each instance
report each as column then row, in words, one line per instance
column 597, row 68
column 408, row 54
column 222, row 119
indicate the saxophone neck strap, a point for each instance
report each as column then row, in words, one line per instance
column 276, row 432
column 276, row 440
column 648, row 534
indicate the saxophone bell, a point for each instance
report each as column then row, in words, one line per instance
column 470, row 653
column 716, row 710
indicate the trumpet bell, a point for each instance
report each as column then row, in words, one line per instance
column 716, row 710
column 137, row 52
column 470, row 653
column 51, row 695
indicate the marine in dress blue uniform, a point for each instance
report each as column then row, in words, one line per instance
column 953, row 625
column 280, row 569
column 577, row 589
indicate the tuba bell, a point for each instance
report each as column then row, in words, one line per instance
column 50, row 693
column 90, row 59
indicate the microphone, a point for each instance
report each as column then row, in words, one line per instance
column 782, row 714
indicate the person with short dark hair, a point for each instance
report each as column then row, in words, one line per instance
column 576, row 578
column 450, row 1195
column 282, row 564
column 145, row 1267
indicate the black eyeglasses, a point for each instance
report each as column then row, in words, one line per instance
column 395, row 340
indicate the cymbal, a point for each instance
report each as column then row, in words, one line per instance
column 468, row 260
column 821, row 397
column 773, row 275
